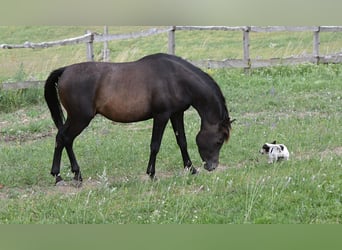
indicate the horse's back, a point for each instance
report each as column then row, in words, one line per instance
column 125, row 92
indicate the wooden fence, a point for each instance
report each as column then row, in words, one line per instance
column 246, row 62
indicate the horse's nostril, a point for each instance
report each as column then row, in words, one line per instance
column 210, row 166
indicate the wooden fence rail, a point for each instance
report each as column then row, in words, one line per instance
column 29, row 45
column 246, row 62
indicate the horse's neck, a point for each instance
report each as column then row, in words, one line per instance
column 209, row 110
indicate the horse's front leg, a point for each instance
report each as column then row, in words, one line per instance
column 159, row 123
column 177, row 121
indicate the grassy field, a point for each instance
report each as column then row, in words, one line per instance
column 194, row 45
column 299, row 106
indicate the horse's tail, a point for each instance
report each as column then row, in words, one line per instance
column 51, row 97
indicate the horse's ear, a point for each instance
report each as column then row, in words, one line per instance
column 226, row 135
column 226, row 125
column 226, row 129
column 230, row 123
column 274, row 142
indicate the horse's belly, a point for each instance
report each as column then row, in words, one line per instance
column 125, row 113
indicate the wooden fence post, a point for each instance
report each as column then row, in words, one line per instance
column 246, row 57
column 316, row 43
column 172, row 43
column 90, row 47
column 105, row 46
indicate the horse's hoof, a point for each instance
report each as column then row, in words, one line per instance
column 191, row 169
column 153, row 178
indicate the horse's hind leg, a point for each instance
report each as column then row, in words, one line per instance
column 56, row 163
column 177, row 121
column 75, row 128
column 65, row 138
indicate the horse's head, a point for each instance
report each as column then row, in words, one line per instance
column 210, row 140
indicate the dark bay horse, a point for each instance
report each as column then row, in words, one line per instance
column 158, row 86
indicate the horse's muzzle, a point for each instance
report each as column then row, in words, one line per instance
column 210, row 166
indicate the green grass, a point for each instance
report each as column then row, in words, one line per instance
column 298, row 105
column 38, row 63
column 193, row 45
